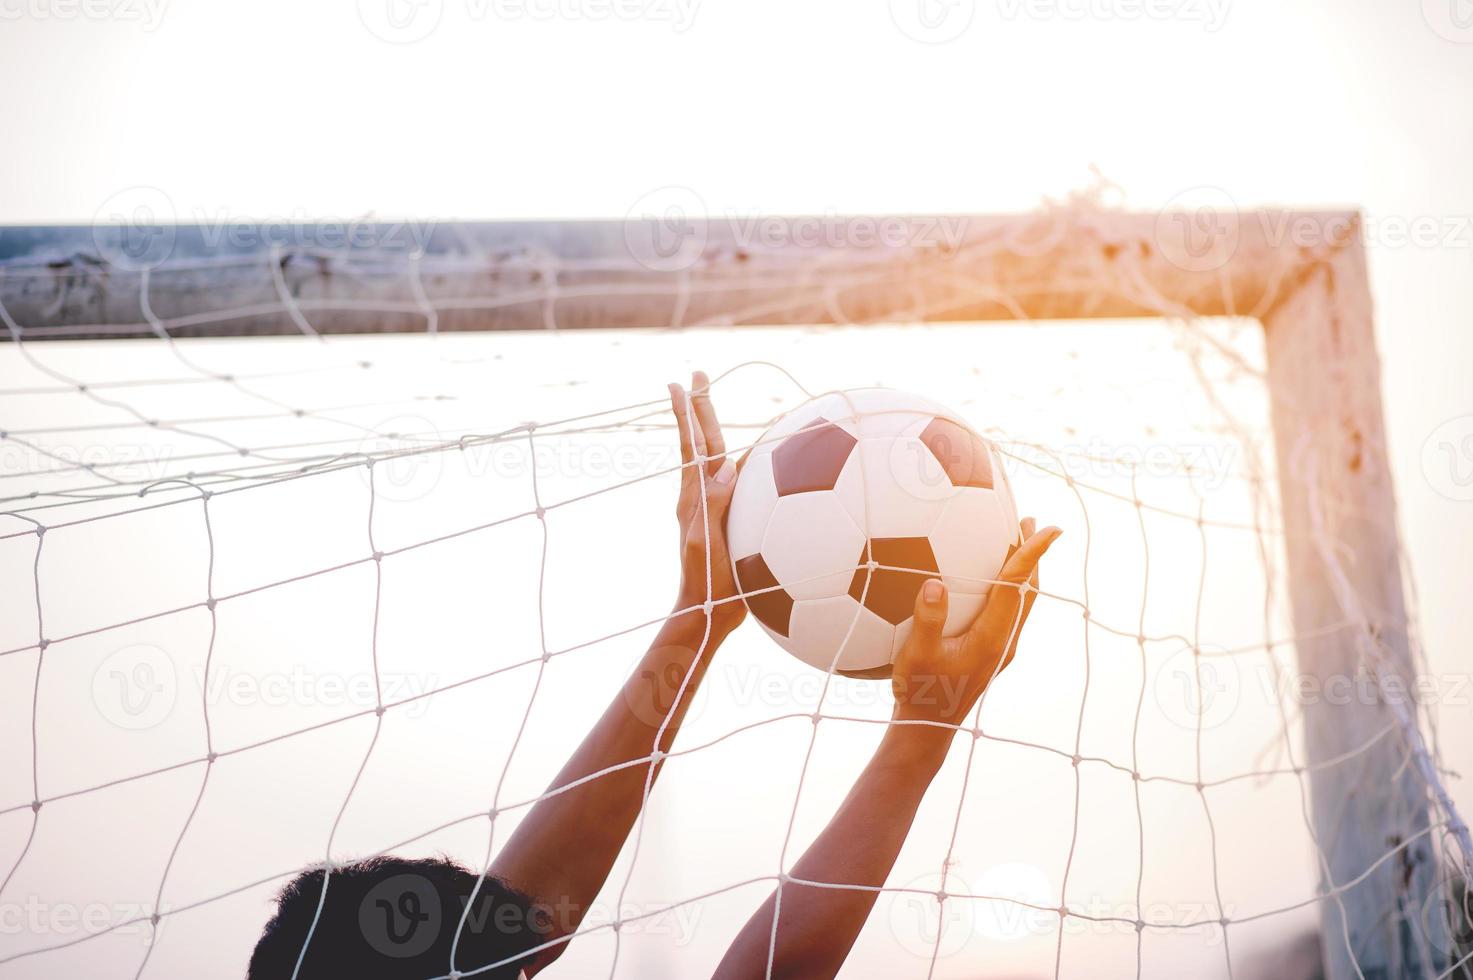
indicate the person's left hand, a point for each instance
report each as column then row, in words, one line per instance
column 702, row 517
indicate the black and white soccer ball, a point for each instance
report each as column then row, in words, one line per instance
column 845, row 507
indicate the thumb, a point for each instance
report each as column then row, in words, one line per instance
column 930, row 613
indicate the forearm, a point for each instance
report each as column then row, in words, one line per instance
column 562, row 852
column 817, row 926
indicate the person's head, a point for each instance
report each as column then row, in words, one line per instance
column 388, row 917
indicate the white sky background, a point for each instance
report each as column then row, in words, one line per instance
column 279, row 110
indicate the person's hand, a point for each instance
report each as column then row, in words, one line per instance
column 701, row 514
column 938, row 679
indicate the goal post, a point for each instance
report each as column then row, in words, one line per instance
column 1376, row 822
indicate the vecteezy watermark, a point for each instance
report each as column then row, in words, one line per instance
column 35, row 917
column 933, row 21
column 1382, row 231
column 652, row 696
column 408, row 21
column 1197, row 688
column 400, row 917
column 1013, row 901
column 137, row 228
column 665, row 230
column 618, row 459
column 1210, row 13
column 1097, row 915
column 145, row 463
column 401, row 21
column 1208, row 465
column 1199, row 229
column 299, row 687
column 134, row 228
column 1451, row 20
column 1447, row 458
column 670, row 229
column 404, row 459
column 752, row 230
column 1446, row 690
column 147, row 14
column 403, row 915
column 751, row 685
column 226, row 230
column 408, row 457
column 679, row 14
column 925, row 922
column 136, row 687
column 1207, row 691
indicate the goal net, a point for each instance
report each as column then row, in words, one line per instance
column 314, row 552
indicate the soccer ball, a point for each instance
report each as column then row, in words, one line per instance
column 847, row 505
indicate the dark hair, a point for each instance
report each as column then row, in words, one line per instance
column 390, row 917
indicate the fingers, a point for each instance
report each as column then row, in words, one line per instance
column 680, row 406
column 1006, row 598
column 1028, row 599
column 718, row 496
column 930, row 613
column 710, row 428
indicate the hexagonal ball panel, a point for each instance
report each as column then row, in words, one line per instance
column 820, row 629
column 879, row 496
column 751, row 504
column 810, row 544
column 892, row 592
column 883, row 413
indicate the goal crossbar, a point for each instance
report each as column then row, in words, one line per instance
column 75, row 282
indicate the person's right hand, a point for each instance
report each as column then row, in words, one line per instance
column 939, row 679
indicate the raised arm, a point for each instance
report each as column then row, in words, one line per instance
column 936, row 682
column 562, row 852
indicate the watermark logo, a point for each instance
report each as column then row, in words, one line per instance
column 924, row 924
column 1210, row 13
column 1451, row 20
column 302, row 688
column 134, row 229
column 136, row 687
column 400, row 916
column 665, row 230
column 652, row 697
column 680, row 14
column 148, row 14
column 1447, row 458
column 1198, row 229
column 35, row 917
column 401, row 21
column 933, row 21
column 406, row 460
column 408, row 21
column 1195, row 690
column 1017, row 896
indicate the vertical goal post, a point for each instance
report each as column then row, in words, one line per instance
column 1301, row 274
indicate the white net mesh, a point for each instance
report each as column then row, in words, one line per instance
column 300, row 599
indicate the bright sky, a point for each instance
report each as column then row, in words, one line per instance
column 292, row 110
column 460, row 606
column 283, row 109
